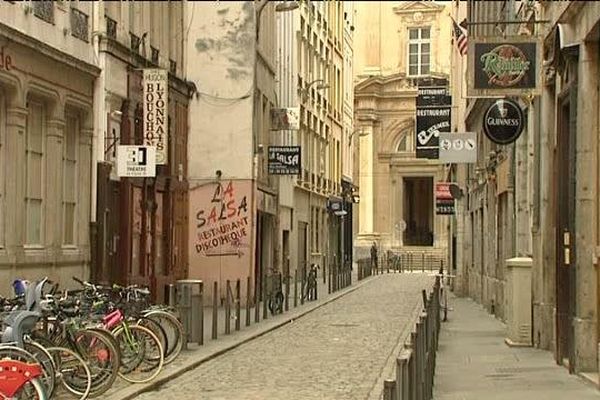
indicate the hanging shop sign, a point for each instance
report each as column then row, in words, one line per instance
column 503, row 121
column 444, row 201
column 136, row 161
column 433, row 117
column 283, row 119
column 458, row 148
column 156, row 105
column 504, row 67
column 284, row 160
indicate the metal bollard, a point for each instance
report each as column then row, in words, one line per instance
column 264, row 299
column 215, row 310
column 257, row 302
column 171, row 295
column 423, row 262
column 201, row 315
column 287, row 292
column 227, row 308
column 238, row 300
column 402, row 377
column 295, row 288
column 389, row 390
column 248, row 299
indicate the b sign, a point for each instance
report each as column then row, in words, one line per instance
column 136, row 161
column 458, row 148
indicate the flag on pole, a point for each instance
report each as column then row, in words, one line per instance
column 460, row 37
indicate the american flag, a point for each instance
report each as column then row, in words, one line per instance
column 461, row 38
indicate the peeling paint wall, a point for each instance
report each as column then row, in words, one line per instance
column 220, row 62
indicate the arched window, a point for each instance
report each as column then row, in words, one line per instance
column 405, row 142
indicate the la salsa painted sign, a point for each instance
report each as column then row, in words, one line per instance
column 503, row 67
column 223, row 222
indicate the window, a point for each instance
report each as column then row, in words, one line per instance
column 79, row 24
column 34, row 170
column 111, row 28
column 69, row 200
column 44, row 10
column 135, row 43
column 419, row 51
column 154, row 55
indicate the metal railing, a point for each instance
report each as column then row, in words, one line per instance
column 415, row 365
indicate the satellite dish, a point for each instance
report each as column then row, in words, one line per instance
column 456, row 191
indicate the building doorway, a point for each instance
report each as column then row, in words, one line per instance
column 418, row 211
column 565, row 228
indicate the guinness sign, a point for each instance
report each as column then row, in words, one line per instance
column 503, row 122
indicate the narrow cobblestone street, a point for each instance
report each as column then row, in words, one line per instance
column 336, row 352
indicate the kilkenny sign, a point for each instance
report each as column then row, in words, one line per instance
column 504, row 67
column 284, row 160
column 433, row 117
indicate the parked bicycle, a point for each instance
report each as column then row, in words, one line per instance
column 310, row 287
column 275, row 293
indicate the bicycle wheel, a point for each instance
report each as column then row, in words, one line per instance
column 101, row 357
column 157, row 329
column 32, row 390
column 72, row 371
column 139, row 343
column 172, row 328
column 40, row 353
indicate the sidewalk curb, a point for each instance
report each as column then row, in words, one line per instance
column 131, row 392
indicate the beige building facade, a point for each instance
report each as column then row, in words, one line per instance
column 47, row 75
column 314, row 44
column 399, row 46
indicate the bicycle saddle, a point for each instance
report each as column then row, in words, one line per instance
column 17, row 323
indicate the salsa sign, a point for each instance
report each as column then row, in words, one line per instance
column 504, row 67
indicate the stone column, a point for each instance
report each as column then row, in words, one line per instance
column 16, row 124
column 366, row 181
column 53, row 213
column 586, row 340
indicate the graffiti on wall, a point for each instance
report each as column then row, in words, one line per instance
column 223, row 221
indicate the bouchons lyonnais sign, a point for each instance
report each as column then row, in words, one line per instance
column 505, row 67
column 503, row 122
column 156, row 108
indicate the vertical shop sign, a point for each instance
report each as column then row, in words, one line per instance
column 155, row 90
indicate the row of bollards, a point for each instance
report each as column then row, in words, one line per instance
column 415, row 365
column 187, row 296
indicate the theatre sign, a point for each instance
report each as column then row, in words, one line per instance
column 507, row 66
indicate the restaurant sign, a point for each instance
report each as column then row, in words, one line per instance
column 504, row 67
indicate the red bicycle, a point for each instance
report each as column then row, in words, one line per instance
column 19, row 379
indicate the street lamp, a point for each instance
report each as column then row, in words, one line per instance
column 320, row 86
column 281, row 7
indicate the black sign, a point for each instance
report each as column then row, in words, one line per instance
column 284, row 160
column 433, row 117
column 511, row 65
column 503, row 122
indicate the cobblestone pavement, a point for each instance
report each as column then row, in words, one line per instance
column 336, row 352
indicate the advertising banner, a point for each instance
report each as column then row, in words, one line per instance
column 458, row 148
column 136, row 161
column 444, row 201
column 504, row 67
column 283, row 119
column 284, row 160
column 433, row 117
column 155, row 84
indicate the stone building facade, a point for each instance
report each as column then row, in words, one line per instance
column 47, row 75
column 401, row 46
column 538, row 198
